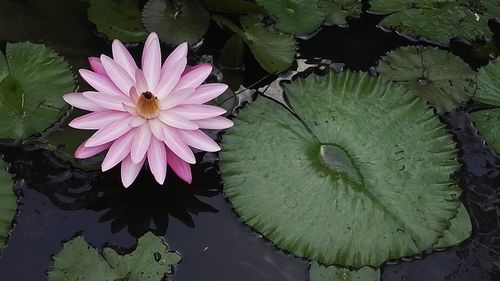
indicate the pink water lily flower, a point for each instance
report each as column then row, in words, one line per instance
column 155, row 112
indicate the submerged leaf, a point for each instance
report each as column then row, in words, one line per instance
column 488, row 84
column 436, row 76
column 233, row 6
column 299, row 17
column 488, row 124
column 62, row 141
column 176, row 21
column 275, row 176
column 61, row 23
column 319, row 272
column 31, row 93
column 118, row 19
column 8, row 205
column 273, row 50
column 151, row 260
column 438, row 20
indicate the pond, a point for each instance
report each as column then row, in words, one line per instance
column 217, row 235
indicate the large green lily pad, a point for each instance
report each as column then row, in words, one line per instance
column 438, row 20
column 319, row 272
column 151, row 260
column 488, row 84
column 275, row 51
column 363, row 176
column 118, row 19
column 299, row 17
column 488, row 124
column 436, row 76
column 33, row 79
column 176, row 21
column 8, row 205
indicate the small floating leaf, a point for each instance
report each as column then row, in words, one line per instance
column 176, row 21
column 488, row 124
column 460, row 229
column 151, row 260
column 31, row 93
column 438, row 20
column 118, row 19
column 436, row 76
column 402, row 152
column 488, row 84
column 319, row 272
column 339, row 10
column 299, row 17
column 8, row 205
column 273, row 50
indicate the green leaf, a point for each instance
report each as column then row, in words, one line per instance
column 176, row 21
column 31, row 94
column 488, row 84
column 339, row 10
column 8, row 204
column 299, row 17
column 488, row 124
column 436, row 76
column 437, row 21
column 233, row 6
column 319, row 272
column 275, row 51
column 275, row 176
column 459, row 230
column 118, row 19
column 151, row 260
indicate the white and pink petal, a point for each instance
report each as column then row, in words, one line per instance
column 141, row 142
column 78, row 100
column 214, row 123
column 110, row 133
column 130, row 170
column 122, row 56
column 197, row 111
column 118, row 151
column 157, row 160
column 199, row 140
column 179, row 166
column 97, row 120
column 175, row 143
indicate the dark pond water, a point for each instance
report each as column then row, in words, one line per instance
column 60, row 202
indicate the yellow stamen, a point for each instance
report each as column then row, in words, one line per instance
column 148, row 106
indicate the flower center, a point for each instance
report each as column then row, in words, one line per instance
column 148, row 105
